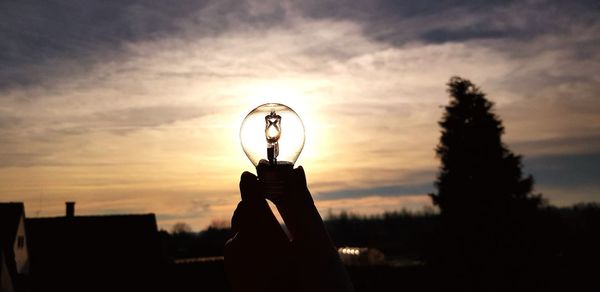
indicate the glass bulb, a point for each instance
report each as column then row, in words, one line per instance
column 274, row 133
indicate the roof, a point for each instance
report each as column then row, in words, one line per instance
column 10, row 214
column 118, row 237
column 68, row 252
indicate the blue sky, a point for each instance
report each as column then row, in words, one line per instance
column 135, row 106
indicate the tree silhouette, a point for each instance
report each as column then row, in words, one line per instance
column 484, row 199
column 477, row 169
column 181, row 228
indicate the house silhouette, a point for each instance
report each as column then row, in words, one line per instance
column 87, row 253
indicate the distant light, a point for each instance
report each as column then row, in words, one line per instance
column 349, row 250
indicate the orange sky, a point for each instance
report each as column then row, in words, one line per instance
column 152, row 126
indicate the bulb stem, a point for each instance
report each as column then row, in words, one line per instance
column 272, row 152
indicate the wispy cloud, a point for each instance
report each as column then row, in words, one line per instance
column 566, row 170
column 383, row 191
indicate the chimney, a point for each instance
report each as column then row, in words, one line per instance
column 70, row 209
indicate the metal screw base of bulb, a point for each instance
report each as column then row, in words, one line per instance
column 272, row 177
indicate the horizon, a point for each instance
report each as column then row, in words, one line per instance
column 137, row 108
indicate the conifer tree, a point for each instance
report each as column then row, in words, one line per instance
column 486, row 203
column 478, row 173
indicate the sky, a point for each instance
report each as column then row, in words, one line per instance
column 135, row 106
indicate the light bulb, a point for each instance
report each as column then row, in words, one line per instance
column 272, row 137
column 273, row 133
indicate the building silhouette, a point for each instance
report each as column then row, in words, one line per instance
column 80, row 253
column 14, row 256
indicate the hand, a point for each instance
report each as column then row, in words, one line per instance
column 260, row 257
column 257, row 257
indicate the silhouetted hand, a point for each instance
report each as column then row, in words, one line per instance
column 261, row 257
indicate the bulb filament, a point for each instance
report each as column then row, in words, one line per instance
column 272, row 134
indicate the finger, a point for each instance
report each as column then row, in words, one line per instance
column 299, row 212
column 296, row 189
column 235, row 219
column 249, row 187
column 253, row 213
column 300, row 175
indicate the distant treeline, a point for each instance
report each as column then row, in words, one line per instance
column 183, row 243
column 569, row 233
column 402, row 233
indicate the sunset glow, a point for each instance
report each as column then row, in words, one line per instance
column 148, row 122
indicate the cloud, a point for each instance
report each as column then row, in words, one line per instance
column 63, row 39
column 44, row 42
column 37, row 34
column 382, row 191
column 433, row 21
column 374, row 204
column 551, row 147
column 565, row 170
column 21, row 136
column 144, row 117
column 444, row 35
